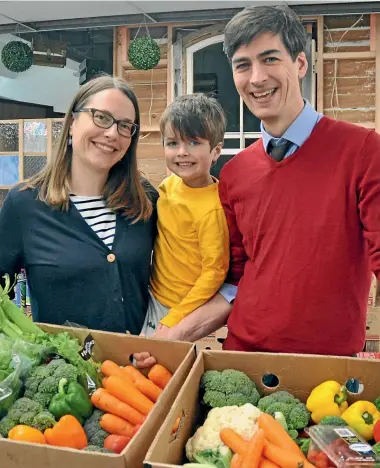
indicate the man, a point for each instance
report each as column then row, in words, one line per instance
column 302, row 205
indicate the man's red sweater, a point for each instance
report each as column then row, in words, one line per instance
column 305, row 234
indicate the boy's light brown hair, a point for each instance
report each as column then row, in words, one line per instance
column 193, row 116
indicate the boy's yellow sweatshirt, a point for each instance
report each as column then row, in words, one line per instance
column 191, row 254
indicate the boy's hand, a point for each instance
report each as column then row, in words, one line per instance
column 144, row 360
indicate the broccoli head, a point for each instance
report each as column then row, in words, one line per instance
column 277, row 397
column 32, row 384
column 264, row 402
column 214, row 398
column 283, row 396
column 35, row 378
column 377, row 403
column 99, row 437
column 95, row 448
column 228, row 388
column 95, row 434
column 294, row 411
column 21, row 406
column 66, row 371
column 43, row 421
column 27, row 418
column 332, row 421
column 284, row 408
column 6, row 424
column 54, row 363
column 299, row 417
column 41, row 372
column 43, row 399
column 219, row 458
column 49, row 385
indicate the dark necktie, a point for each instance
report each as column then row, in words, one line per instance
column 278, row 152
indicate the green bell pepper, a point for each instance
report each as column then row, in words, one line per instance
column 72, row 399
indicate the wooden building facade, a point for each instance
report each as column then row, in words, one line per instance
column 344, row 61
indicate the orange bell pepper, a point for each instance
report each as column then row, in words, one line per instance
column 26, row 434
column 68, row 432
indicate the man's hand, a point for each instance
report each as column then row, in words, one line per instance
column 162, row 332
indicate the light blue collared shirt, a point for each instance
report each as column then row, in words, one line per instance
column 298, row 132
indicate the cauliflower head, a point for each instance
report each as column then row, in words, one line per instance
column 242, row 419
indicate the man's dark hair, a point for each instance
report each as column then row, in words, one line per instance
column 193, row 116
column 253, row 21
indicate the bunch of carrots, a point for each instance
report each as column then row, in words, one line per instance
column 128, row 396
column 270, row 447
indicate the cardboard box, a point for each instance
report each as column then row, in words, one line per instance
column 374, row 293
column 176, row 356
column 298, row 374
column 373, row 330
column 213, row 341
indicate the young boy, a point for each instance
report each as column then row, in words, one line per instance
column 191, row 254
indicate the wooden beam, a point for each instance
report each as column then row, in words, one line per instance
column 163, row 63
column 114, row 52
column 359, row 55
column 169, row 86
column 21, row 150
column 366, row 124
column 372, row 34
column 123, row 39
column 377, row 77
column 150, row 128
column 319, row 67
column 49, row 142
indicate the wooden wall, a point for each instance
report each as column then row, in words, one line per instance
column 347, row 59
column 153, row 90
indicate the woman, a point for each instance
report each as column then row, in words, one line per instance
column 84, row 227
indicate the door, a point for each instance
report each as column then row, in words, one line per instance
column 209, row 71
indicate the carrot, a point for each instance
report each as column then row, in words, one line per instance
column 109, row 368
column 106, row 402
column 236, row 461
column 149, row 389
column 277, row 435
column 234, row 441
column 116, row 425
column 284, row 458
column 264, row 463
column 176, row 425
column 160, row 375
column 128, row 393
column 251, row 459
column 134, row 373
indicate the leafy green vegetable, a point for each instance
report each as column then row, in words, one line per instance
column 219, row 458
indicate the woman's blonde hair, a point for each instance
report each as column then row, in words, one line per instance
column 123, row 190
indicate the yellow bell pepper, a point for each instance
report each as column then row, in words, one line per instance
column 327, row 399
column 362, row 417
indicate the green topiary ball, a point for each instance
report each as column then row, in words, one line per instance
column 144, row 53
column 17, row 56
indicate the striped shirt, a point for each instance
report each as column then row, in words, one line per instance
column 100, row 218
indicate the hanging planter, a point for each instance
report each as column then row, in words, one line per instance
column 17, row 56
column 144, row 53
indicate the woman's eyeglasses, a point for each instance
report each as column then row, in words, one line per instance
column 102, row 119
